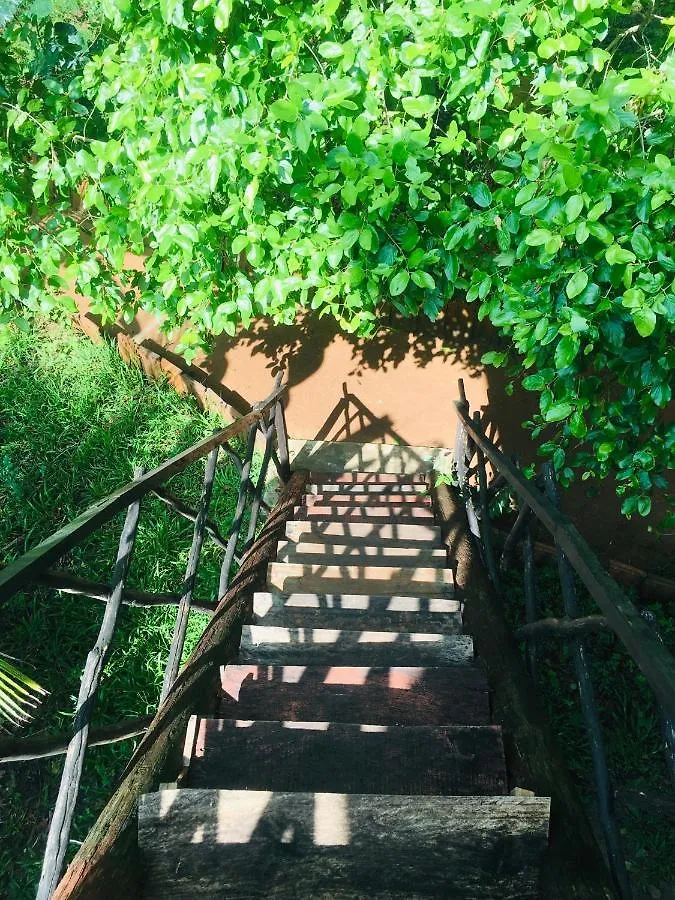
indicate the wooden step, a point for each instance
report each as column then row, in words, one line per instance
column 354, row 579
column 396, row 695
column 305, row 846
column 368, row 488
column 383, row 555
column 367, row 478
column 336, row 498
column 348, row 456
column 436, row 615
column 356, row 513
column 351, row 759
column 278, row 646
column 394, row 534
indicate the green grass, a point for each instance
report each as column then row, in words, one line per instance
column 629, row 719
column 74, row 422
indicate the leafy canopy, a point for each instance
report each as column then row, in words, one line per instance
column 350, row 157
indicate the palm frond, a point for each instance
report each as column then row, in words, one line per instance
column 19, row 694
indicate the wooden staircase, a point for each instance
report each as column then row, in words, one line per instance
column 353, row 754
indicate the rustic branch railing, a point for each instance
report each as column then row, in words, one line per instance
column 619, row 615
column 33, row 568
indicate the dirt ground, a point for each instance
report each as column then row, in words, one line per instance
column 400, row 387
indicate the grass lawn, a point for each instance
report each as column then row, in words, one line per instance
column 74, row 422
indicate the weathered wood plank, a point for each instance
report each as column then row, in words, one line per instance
column 246, row 844
column 351, row 759
column 275, row 645
column 368, row 488
column 437, row 615
column 406, row 695
column 357, row 513
column 373, row 478
column 396, row 534
column 374, row 555
column 418, row 581
column 336, row 498
column 106, row 865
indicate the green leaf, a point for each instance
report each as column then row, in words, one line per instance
column 423, row 280
column 616, row 255
column 576, row 284
column 526, row 193
column 644, row 320
column 534, row 383
column 573, row 207
column 481, row 194
column 566, row 351
column 538, row 237
column 303, row 135
column 558, row 412
column 221, row 18
column 213, row 167
column 399, row 283
column 641, row 245
column 284, row 110
column 330, row 50
column 420, row 107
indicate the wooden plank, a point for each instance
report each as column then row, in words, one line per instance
column 395, row 695
column 309, row 846
column 652, row 657
column 351, row 759
column 419, row 581
column 372, row 478
column 374, row 555
column 396, row 534
column 107, row 864
column 356, row 513
column 437, row 615
column 335, row 498
column 368, row 488
column 276, row 645
column 20, row 572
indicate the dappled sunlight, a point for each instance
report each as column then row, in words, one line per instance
column 289, row 674
column 357, row 675
column 306, row 726
column 237, row 821
column 405, row 678
column 331, row 820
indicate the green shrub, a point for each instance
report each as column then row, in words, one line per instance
column 348, row 157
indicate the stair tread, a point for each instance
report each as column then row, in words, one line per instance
column 374, row 554
column 431, row 614
column 249, row 844
column 334, row 498
column 382, row 695
column 392, row 533
column 366, row 478
column 278, row 645
column 350, row 489
column 360, row 579
column 347, row 757
column 383, row 512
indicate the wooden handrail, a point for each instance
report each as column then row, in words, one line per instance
column 651, row 656
column 24, row 569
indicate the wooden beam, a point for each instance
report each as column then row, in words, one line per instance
column 59, row 580
column 44, row 746
column 24, row 569
column 573, row 865
column 107, row 865
column 651, row 656
column 564, row 628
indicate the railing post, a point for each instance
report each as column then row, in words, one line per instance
column 183, row 614
column 62, row 818
column 605, row 794
column 244, row 487
column 282, row 441
column 486, row 529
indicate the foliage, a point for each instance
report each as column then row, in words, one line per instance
column 75, row 422
column 349, row 157
column 19, row 693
